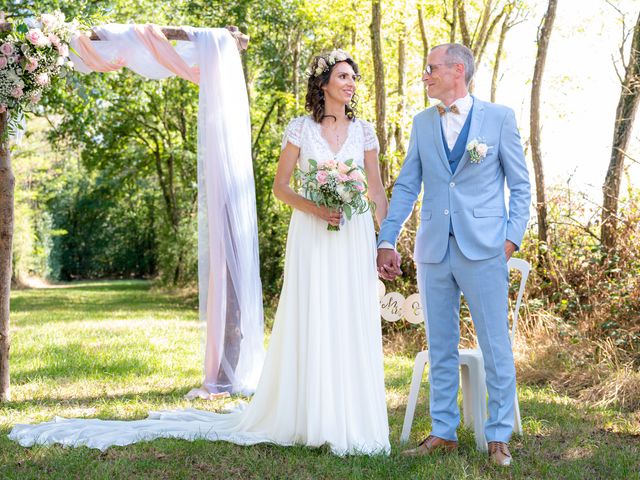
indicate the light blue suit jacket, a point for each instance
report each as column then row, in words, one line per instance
column 472, row 198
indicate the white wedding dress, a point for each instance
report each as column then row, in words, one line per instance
column 323, row 378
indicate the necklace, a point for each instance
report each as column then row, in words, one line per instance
column 336, row 132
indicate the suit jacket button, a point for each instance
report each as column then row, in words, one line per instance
column 446, row 212
column 452, row 184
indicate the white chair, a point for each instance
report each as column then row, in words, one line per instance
column 472, row 376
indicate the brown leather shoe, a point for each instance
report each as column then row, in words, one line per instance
column 430, row 445
column 499, row 453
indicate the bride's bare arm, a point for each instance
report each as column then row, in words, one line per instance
column 283, row 191
column 376, row 189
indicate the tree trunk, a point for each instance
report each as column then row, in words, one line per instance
column 625, row 114
column 378, row 71
column 464, row 28
column 483, row 38
column 402, row 55
column 425, row 47
column 496, row 65
column 483, row 26
column 544, row 34
column 454, row 22
column 7, row 183
column 296, row 69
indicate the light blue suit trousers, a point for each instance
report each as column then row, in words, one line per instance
column 471, row 200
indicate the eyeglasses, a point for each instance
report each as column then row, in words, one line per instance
column 428, row 70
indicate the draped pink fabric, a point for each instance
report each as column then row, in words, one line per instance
column 93, row 60
column 152, row 37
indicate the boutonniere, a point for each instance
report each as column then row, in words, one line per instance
column 477, row 151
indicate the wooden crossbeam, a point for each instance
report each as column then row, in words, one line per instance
column 177, row 33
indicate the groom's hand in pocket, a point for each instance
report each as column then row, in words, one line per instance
column 509, row 248
column 388, row 263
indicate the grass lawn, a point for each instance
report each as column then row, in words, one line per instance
column 119, row 349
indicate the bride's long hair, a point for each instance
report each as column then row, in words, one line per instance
column 320, row 73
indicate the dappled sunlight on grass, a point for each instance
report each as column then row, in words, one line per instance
column 117, row 350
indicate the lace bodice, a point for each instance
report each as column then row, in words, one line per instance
column 306, row 134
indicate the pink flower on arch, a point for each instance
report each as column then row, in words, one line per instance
column 32, row 64
column 48, row 20
column 36, row 37
column 54, row 39
column 3, row 108
column 17, row 92
column 6, row 48
column 3, row 62
column 63, row 50
column 42, row 79
column 35, row 97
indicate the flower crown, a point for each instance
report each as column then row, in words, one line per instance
column 324, row 62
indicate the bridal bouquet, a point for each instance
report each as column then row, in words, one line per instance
column 33, row 52
column 336, row 185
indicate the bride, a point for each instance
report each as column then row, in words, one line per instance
column 323, row 378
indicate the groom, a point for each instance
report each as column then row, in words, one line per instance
column 465, row 238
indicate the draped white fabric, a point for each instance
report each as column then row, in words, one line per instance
column 229, row 282
column 230, row 289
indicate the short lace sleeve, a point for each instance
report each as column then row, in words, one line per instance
column 370, row 138
column 293, row 132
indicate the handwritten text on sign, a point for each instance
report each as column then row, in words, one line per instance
column 393, row 306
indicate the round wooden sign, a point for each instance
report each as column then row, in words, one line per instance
column 391, row 306
column 412, row 309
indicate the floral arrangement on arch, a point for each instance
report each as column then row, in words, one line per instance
column 33, row 51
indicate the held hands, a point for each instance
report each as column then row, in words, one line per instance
column 388, row 263
column 332, row 217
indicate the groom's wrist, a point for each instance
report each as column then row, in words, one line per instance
column 385, row 244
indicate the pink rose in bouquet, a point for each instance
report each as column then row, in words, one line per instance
column 322, row 176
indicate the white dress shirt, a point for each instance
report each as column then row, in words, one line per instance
column 452, row 124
